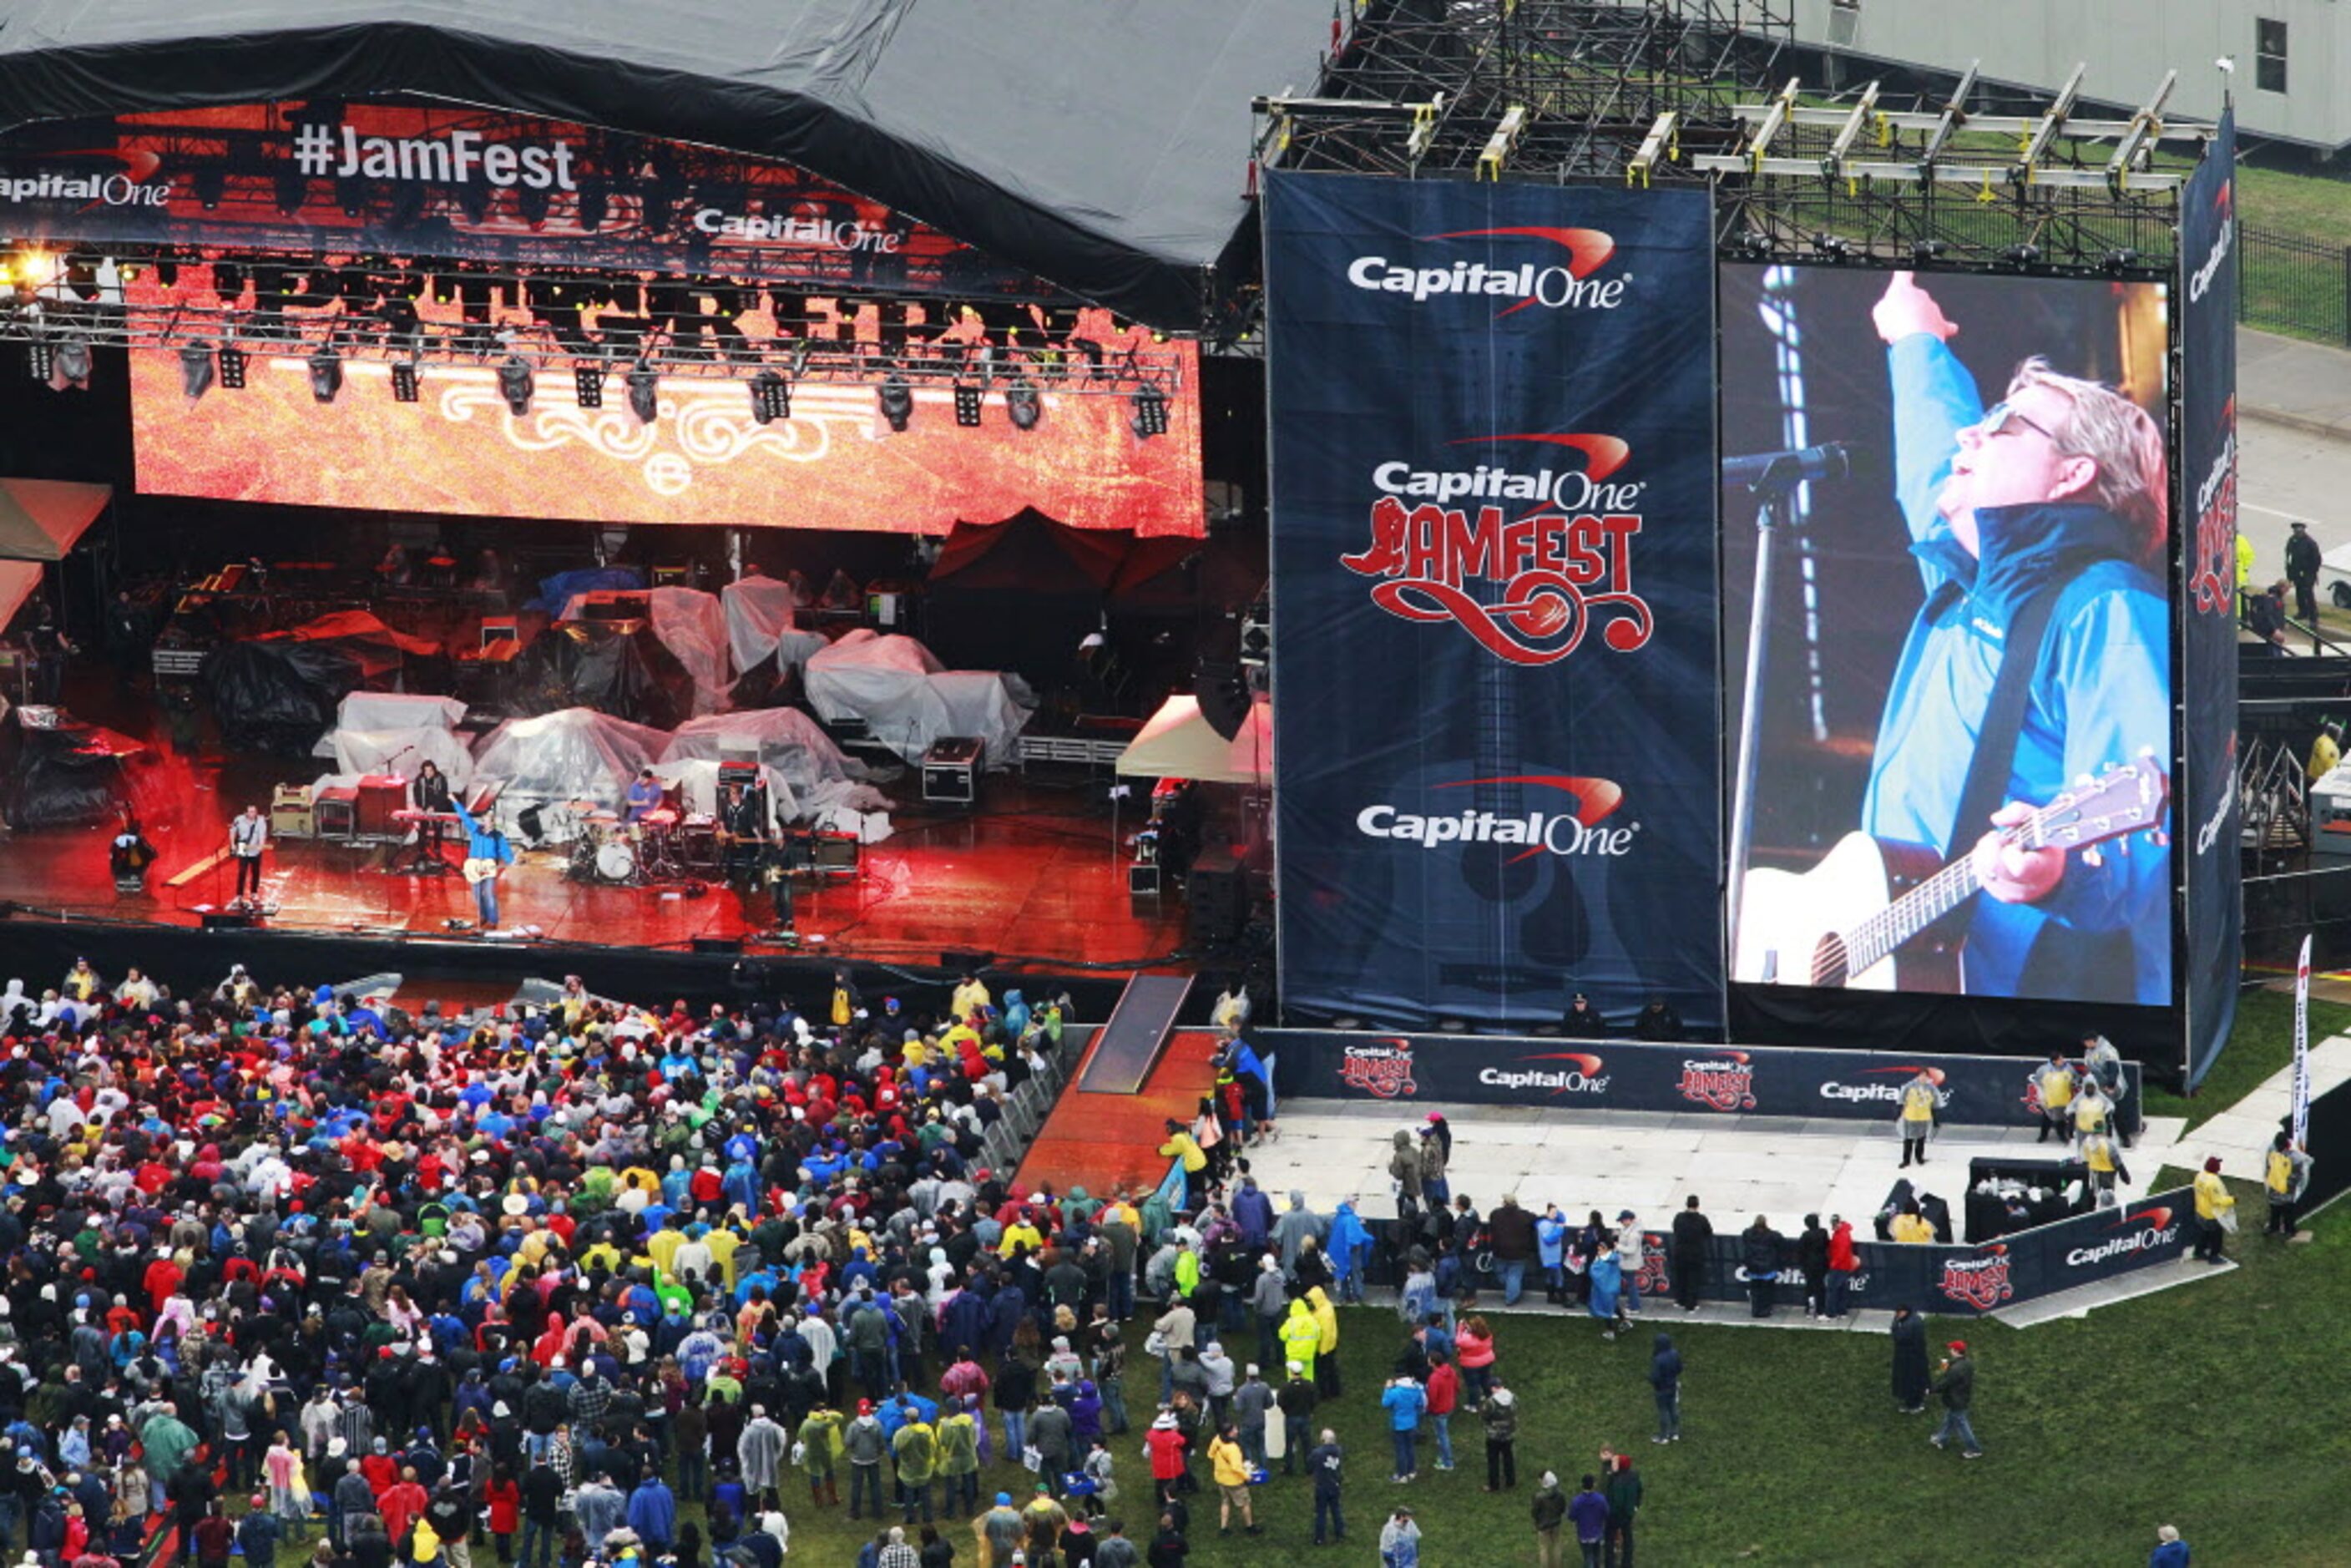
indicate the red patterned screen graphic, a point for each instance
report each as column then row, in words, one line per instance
column 834, row 463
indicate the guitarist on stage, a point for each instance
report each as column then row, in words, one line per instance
column 2044, row 516
column 487, row 855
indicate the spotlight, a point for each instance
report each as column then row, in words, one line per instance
column 228, row 281
column 351, row 195
column 404, row 377
column 1150, row 413
column 210, row 184
column 2120, row 261
column 588, row 385
column 326, row 373
column 1093, row 353
column 1924, row 251
column 2021, row 256
column 195, row 370
column 967, row 405
column 531, row 202
column 1020, row 401
column 897, row 401
column 232, row 367
column 644, row 392
column 72, row 365
column 293, row 189
column 595, row 201
column 771, row 397
column 515, row 383
column 1835, row 247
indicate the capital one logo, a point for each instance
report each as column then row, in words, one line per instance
column 1577, row 832
column 1886, row 1083
column 1383, row 1071
column 2213, row 576
column 1564, row 282
column 2147, row 1230
column 1581, row 1075
column 1525, row 587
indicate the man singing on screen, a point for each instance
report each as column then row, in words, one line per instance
column 2059, row 487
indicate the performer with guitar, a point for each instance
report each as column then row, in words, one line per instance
column 487, row 854
column 2032, row 700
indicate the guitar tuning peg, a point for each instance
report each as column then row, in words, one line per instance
column 2093, row 856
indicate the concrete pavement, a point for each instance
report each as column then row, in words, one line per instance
column 2293, row 444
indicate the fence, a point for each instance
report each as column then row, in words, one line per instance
column 2294, row 285
column 1004, row 1145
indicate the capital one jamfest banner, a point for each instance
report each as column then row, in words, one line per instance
column 1494, row 597
column 2207, row 686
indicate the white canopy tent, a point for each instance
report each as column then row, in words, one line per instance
column 1178, row 743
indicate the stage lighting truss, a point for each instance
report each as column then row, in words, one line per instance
column 331, row 315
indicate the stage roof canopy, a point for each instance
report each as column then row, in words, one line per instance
column 1101, row 144
column 40, row 519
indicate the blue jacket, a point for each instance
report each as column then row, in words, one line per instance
column 1405, row 1402
column 653, row 1513
column 2100, row 695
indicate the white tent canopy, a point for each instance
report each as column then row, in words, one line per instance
column 907, row 700
column 1178, row 743
column 18, row 579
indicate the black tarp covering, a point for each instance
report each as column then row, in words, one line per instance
column 1101, row 144
column 618, row 667
column 68, row 778
column 278, row 694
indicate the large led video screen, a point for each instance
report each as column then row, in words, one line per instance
column 833, row 462
column 1955, row 779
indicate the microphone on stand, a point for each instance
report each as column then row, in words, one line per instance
column 1803, row 464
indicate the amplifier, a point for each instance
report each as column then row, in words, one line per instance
column 380, row 794
column 337, row 810
column 837, row 855
column 293, row 823
column 1217, row 898
column 747, row 774
column 1142, row 878
column 179, row 661
column 292, row 795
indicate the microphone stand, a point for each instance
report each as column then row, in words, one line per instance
column 1774, row 492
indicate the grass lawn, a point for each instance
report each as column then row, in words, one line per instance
column 2261, row 1044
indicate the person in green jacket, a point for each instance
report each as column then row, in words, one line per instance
column 821, row 1446
column 1621, row 1488
column 915, row 1449
column 165, row 1443
column 958, row 1456
column 1300, row 1335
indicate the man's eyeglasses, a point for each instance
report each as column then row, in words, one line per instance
column 2002, row 418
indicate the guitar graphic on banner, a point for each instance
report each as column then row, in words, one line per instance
column 1875, row 915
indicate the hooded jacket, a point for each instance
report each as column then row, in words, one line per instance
column 1664, row 1365
column 2099, row 695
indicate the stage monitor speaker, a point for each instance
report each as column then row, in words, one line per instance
column 230, row 920
column 1214, row 892
column 1142, row 878
column 718, row 945
column 1223, row 693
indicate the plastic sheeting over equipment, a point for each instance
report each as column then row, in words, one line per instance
column 577, row 754
column 759, row 612
column 691, row 625
column 277, row 696
column 402, row 751
column 75, row 775
column 906, row 700
column 785, row 739
column 616, row 666
column 398, row 710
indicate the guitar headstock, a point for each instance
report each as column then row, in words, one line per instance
column 2124, row 798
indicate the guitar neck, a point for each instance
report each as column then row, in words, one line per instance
column 1907, row 915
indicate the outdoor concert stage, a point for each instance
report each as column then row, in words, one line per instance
column 1034, row 874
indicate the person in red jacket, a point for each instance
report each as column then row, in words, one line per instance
column 1165, row 1443
column 504, row 1499
column 1843, row 1263
column 1444, row 1390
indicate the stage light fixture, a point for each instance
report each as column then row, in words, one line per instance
column 595, row 201
column 644, row 392
column 1924, row 251
column 232, row 367
column 292, row 190
column 73, row 364
column 1021, row 401
column 351, row 195
column 404, row 377
column 588, row 385
column 40, row 359
column 897, row 400
column 1093, row 353
column 2021, row 256
column 195, row 370
column 967, row 405
column 210, row 183
column 326, row 373
column 1150, row 413
column 771, row 397
column 2120, row 261
column 531, row 202
column 1836, row 247
column 515, row 383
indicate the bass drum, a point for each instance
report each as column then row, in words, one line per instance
column 616, row 862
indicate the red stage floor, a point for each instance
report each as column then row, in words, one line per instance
column 1033, row 874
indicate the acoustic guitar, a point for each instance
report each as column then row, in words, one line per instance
column 1876, row 915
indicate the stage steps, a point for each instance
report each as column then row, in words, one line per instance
column 1108, row 1140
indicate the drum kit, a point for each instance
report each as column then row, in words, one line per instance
column 657, row 847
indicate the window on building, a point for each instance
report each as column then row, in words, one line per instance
column 2269, row 55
